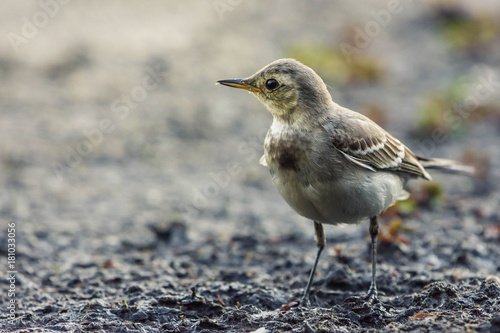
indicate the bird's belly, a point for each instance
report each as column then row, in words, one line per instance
column 342, row 200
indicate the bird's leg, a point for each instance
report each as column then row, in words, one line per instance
column 320, row 239
column 372, row 292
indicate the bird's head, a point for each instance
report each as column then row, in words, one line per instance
column 287, row 88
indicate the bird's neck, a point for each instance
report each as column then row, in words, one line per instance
column 304, row 116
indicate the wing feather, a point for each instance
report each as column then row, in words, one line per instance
column 368, row 145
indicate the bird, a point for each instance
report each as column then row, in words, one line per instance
column 330, row 164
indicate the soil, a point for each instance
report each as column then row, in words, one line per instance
column 132, row 188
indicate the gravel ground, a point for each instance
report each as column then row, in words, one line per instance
column 132, row 188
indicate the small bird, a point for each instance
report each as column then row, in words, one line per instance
column 331, row 165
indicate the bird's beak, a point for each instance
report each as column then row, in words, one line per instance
column 239, row 83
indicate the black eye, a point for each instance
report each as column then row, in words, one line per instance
column 272, row 84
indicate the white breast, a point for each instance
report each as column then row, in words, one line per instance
column 318, row 189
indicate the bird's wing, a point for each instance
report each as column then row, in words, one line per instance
column 366, row 144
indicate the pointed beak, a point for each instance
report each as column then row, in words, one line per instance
column 239, row 83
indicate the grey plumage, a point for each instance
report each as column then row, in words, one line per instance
column 330, row 164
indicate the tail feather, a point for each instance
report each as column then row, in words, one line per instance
column 445, row 165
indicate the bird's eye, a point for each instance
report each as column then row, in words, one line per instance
column 272, row 84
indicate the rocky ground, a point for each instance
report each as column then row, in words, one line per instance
column 132, row 188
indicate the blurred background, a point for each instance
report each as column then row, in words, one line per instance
column 112, row 126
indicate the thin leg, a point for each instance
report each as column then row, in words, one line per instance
column 320, row 239
column 372, row 292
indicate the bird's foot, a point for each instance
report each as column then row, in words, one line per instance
column 370, row 301
column 371, row 297
column 305, row 302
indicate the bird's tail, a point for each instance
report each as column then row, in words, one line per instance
column 448, row 166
